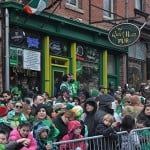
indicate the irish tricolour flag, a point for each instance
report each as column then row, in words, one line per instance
column 35, row 6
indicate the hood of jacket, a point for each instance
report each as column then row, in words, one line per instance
column 92, row 102
column 72, row 125
column 38, row 127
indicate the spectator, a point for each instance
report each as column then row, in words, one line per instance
column 101, row 90
column 6, row 97
column 10, row 145
column 106, row 128
column 111, row 88
column 105, row 107
column 90, row 108
column 74, row 85
column 58, row 108
column 27, row 112
column 10, row 105
column 16, row 116
column 83, row 96
column 48, row 102
column 65, row 83
column 61, row 122
column 76, row 100
column 37, row 99
column 119, row 91
column 65, row 97
column 42, row 134
column 136, row 104
column 74, row 132
column 42, row 119
column 23, row 131
column 56, row 87
column 145, row 114
column 131, row 139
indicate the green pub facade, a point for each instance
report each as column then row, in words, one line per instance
column 44, row 47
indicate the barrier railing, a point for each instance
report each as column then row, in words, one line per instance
column 137, row 139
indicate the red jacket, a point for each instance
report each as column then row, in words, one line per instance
column 72, row 125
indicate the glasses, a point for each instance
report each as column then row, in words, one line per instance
column 17, row 106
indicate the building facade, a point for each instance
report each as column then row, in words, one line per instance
column 70, row 37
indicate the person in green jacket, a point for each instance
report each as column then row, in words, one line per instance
column 42, row 121
column 73, row 86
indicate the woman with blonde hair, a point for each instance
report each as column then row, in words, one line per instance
column 27, row 112
column 16, row 116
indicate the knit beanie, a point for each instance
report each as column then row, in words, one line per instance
column 94, row 93
column 3, row 111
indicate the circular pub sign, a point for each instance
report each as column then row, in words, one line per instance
column 124, row 34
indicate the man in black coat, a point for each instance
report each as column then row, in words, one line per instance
column 105, row 107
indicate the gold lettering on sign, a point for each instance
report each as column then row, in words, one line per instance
column 122, row 36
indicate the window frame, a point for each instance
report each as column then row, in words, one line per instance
column 139, row 4
column 77, row 5
column 110, row 8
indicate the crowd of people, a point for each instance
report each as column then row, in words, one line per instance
column 34, row 123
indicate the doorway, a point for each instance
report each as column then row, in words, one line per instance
column 57, row 74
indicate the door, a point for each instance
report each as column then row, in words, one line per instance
column 57, row 74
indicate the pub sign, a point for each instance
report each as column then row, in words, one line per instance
column 124, row 34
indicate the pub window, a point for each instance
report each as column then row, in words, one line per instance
column 23, row 38
column 87, row 65
column 108, row 8
column 111, row 64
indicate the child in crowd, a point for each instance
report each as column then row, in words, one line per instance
column 107, row 129
column 130, row 140
column 23, row 131
column 42, row 138
column 13, row 145
column 74, row 132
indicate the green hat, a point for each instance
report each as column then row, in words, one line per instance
column 132, row 90
column 69, row 106
column 94, row 93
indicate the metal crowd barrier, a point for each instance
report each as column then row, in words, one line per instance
column 137, row 139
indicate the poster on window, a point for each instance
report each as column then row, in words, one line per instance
column 31, row 60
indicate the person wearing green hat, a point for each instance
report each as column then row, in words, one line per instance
column 132, row 91
column 94, row 93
